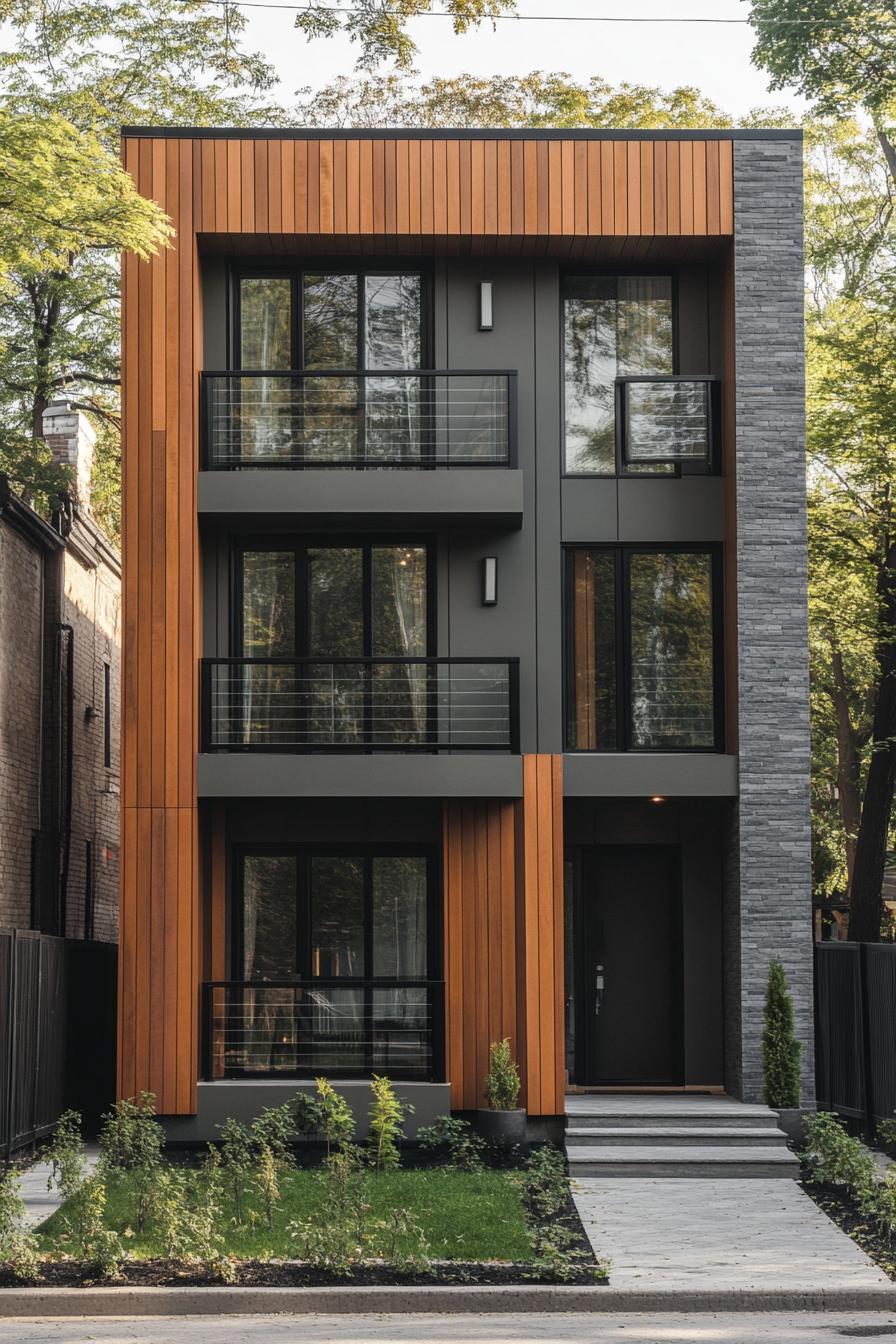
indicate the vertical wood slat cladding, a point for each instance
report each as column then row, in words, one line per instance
column 503, row 883
column 551, row 189
column 160, row 930
column 354, row 189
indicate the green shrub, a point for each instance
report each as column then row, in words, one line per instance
column 456, row 1140
column 18, row 1247
column 886, row 1133
column 132, row 1140
column 780, row 1049
column 274, row 1128
column 502, row 1084
column 235, row 1161
column 544, row 1182
column 332, row 1244
column 335, row 1121
column 65, row 1153
column 836, row 1158
column 386, row 1120
column 85, row 1220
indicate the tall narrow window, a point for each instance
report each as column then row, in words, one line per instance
column 263, row 409
column 613, row 326
column 641, row 650
column 107, row 715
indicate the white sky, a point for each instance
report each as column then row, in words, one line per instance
column 713, row 57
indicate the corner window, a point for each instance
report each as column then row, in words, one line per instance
column 643, row 666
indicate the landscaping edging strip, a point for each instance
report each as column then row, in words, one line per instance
column 132, row 1301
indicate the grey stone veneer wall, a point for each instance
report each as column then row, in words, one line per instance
column 769, row 891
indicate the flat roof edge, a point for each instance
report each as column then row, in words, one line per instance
column 422, row 133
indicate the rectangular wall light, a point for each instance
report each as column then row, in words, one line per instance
column 486, row 316
column 489, row 580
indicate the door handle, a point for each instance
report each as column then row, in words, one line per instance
column 598, row 989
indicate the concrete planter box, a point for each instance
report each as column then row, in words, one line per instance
column 502, row 1126
column 792, row 1120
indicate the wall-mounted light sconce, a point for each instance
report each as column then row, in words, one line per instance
column 657, row 798
column 486, row 314
column 489, row 580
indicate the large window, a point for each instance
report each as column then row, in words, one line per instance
column 643, row 665
column 337, row 954
column 613, row 327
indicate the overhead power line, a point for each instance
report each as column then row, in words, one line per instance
column 534, row 18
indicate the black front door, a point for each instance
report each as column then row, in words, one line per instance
column 629, row 998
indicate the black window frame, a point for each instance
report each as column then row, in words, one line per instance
column 300, row 545
column 622, row 469
column 295, row 272
column 623, row 551
column 107, row 716
column 304, row 853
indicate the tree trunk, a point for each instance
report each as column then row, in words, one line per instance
column 849, row 791
column 866, row 903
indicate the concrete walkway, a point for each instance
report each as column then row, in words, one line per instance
column 40, row 1202
column 718, row 1234
column 568, row 1328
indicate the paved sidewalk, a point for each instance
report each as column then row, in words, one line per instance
column 718, row 1234
column 568, row 1328
column 39, row 1201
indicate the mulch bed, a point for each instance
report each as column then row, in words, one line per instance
column 285, row 1274
column 842, row 1210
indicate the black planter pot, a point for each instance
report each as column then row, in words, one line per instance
column 502, row 1126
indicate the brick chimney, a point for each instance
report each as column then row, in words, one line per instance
column 70, row 438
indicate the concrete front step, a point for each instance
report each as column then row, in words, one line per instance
column 674, row 1136
column 722, row 1117
column 706, row 1161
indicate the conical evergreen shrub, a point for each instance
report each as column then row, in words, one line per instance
column 780, row 1049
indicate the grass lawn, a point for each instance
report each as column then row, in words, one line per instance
column 465, row 1216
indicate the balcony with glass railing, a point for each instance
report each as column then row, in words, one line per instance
column 667, row 421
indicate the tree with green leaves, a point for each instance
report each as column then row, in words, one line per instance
column 93, row 67
column 780, row 1048
column 381, row 30
column 840, row 54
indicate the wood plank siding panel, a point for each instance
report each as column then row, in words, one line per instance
column 274, row 196
column 503, row 891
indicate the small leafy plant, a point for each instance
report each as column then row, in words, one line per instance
column 502, row 1083
column 235, row 1158
column 332, row 1244
column 886, row 1133
column 18, row 1247
column 780, row 1049
column 386, row 1119
column 327, row 1114
column 91, row 1240
column 132, row 1140
column 455, row 1140
column 834, row 1157
column 65, row 1154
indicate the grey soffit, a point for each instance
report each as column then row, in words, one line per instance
column 585, row 775
column 489, row 495
column 691, row 509
column 269, row 775
column 643, row 775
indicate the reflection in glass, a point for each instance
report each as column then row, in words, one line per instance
column 393, row 341
column 259, row 412
column 269, row 916
column 335, row 601
column 269, row 604
column 671, row 650
column 337, row 917
column 330, row 322
column 667, row 422
column 613, row 327
column 592, row 593
column 398, row 609
column 399, row 917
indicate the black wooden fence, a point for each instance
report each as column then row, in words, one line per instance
column 855, row 1030
column 57, row 1033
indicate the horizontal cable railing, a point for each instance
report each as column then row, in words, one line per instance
column 360, row 704
column 341, row 418
column 668, row 420
column 341, row 1027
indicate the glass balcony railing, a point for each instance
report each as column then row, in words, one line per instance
column 360, row 704
column 668, row 421
column 416, row 419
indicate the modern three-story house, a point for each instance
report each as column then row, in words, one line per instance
column 465, row 655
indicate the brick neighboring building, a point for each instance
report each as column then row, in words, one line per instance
column 60, row 644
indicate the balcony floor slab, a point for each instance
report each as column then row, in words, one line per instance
column 385, row 775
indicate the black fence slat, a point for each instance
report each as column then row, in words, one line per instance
column 855, row 1030
column 43, row 1050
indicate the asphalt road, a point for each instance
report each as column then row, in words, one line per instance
column 672, row 1328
